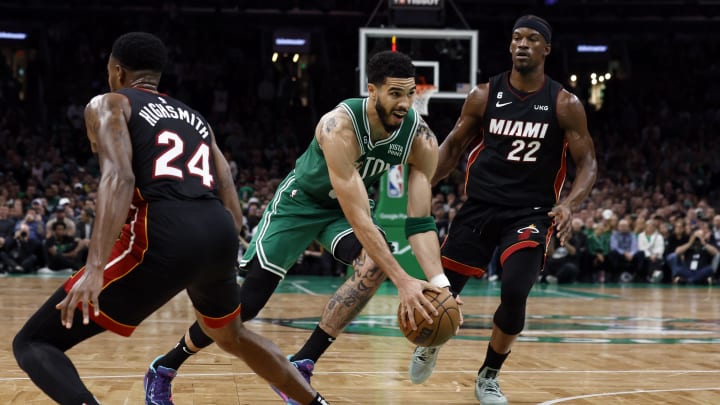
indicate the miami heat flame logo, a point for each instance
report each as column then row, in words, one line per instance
column 526, row 231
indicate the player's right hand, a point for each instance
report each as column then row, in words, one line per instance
column 85, row 292
column 412, row 299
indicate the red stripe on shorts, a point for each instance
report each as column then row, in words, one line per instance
column 127, row 253
column 515, row 247
column 222, row 321
column 461, row 268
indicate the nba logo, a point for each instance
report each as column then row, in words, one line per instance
column 395, row 182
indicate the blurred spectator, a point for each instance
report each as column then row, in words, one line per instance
column 61, row 215
column 40, row 206
column 35, row 225
column 678, row 236
column 691, row 262
column 21, row 254
column 84, row 224
column 7, row 224
column 560, row 266
column 232, row 163
column 715, row 239
column 652, row 244
column 442, row 222
column 577, row 246
column 63, row 251
column 624, row 256
column 598, row 248
column 254, row 212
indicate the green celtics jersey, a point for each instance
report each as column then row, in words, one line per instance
column 311, row 170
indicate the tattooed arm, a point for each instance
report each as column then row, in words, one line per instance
column 335, row 135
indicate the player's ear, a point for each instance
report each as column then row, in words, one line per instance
column 122, row 74
column 548, row 48
column 372, row 90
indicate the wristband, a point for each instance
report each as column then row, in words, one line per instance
column 415, row 225
column 440, row 280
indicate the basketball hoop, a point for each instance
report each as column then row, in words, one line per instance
column 423, row 92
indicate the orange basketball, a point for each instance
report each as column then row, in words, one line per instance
column 444, row 324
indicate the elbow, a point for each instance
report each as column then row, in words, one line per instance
column 119, row 180
column 126, row 181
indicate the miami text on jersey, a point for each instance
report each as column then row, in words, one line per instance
column 521, row 129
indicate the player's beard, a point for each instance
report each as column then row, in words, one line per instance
column 384, row 115
column 526, row 68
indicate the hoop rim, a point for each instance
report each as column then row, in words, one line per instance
column 423, row 93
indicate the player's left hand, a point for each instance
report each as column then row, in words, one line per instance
column 86, row 292
column 562, row 216
column 460, row 304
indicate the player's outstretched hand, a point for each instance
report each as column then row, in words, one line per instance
column 86, row 292
column 412, row 299
column 562, row 215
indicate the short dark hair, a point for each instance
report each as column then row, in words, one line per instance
column 389, row 64
column 140, row 51
column 58, row 224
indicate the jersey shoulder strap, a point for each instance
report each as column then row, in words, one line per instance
column 357, row 110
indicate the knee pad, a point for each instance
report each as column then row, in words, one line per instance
column 510, row 321
column 258, row 287
column 519, row 273
column 347, row 249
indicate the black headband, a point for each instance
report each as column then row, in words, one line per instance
column 536, row 23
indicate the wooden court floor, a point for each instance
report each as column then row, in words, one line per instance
column 583, row 344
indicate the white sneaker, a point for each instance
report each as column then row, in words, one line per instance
column 422, row 363
column 487, row 389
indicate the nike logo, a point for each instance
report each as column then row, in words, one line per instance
column 498, row 104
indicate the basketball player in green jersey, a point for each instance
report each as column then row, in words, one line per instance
column 325, row 199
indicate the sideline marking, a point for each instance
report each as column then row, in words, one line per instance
column 610, row 394
column 301, row 288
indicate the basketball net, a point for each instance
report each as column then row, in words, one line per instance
column 423, row 92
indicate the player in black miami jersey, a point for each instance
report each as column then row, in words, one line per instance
column 166, row 190
column 519, row 127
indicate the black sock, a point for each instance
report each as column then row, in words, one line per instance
column 315, row 346
column 319, row 400
column 493, row 359
column 178, row 354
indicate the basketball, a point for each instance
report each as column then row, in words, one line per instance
column 444, row 324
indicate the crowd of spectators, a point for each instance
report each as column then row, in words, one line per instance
column 652, row 216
